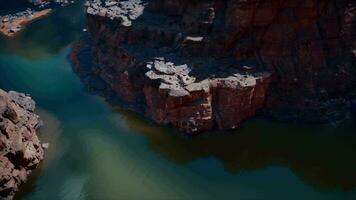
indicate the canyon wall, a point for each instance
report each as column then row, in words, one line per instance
column 20, row 148
column 200, row 65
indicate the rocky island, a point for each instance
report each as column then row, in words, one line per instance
column 20, row 149
column 202, row 65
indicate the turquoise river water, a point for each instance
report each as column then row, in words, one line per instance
column 99, row 152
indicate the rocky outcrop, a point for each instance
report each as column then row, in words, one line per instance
column 192, row 94
column 20, row 148
column 199, row 65
column 174, row 96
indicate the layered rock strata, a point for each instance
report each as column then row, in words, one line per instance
column 20, row 148
column 174, row 95
column 209, row 64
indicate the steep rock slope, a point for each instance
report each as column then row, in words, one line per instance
column 20, row 149
column 206, row 64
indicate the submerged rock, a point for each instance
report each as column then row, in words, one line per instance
column 20, row 149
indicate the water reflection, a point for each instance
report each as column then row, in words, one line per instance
column 321, row 156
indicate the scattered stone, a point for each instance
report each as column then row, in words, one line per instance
column 45, row 145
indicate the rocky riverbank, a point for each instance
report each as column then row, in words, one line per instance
column 12, row 23
column 20, row 149
column 201, row 65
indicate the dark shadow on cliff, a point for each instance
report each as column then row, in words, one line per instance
column 321, row 156
column 49, row 133
column 30, row 186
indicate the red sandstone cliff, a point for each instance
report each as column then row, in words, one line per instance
column 20, row 149
column 199, row 65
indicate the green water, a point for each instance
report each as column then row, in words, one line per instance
column 102, row 153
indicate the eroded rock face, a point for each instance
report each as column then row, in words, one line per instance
column 20, row 148
column 304, row 44
column 209, row 64
column 142, row 60
column 173, row 95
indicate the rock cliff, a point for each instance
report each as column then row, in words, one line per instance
column 20, row 149
column 199, row 65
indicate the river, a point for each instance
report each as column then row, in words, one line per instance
column 100, row 152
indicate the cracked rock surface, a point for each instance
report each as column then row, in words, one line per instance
column 20, row 148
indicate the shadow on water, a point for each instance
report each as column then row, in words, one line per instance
column 321, row 156
column 49, row 133
column 30, row 186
